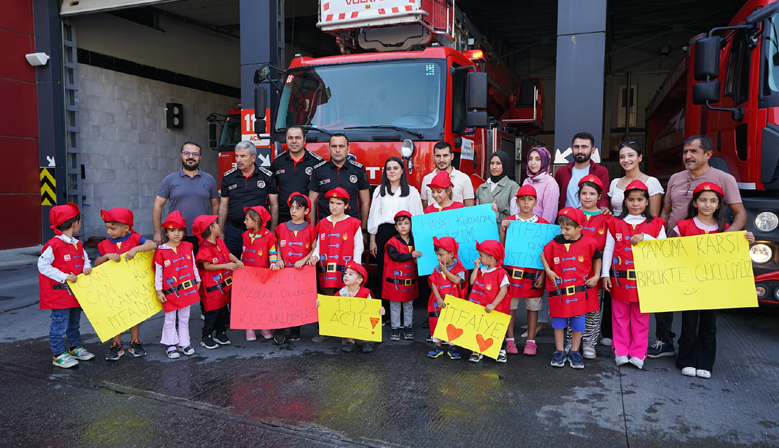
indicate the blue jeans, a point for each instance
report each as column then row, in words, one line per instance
column 64, row 324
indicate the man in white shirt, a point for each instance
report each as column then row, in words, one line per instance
column 462, row 191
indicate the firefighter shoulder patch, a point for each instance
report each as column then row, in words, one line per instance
column 229, row 172
column 320, row 164
column 315, row 155
column 357, row 164
column 266, row 171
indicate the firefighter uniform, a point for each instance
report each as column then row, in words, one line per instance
column 179, row 276
column 244, row 192
column 352, row 177
column 572, row 261
column 292, row 176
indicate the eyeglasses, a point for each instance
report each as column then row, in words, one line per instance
column 193, row 154
column 630, row 143
column 689, row 183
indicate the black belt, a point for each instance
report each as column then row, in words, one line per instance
column 175, row 289
column 630, row 274
column 401, row 281
column 568, row 291
column 331, row 267
column 519, row 274
column 61, row 286
column 227, row 282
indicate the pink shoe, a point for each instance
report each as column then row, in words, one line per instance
column 250, row 335
column 530, row 349
column 511, row 348
column 266, row 334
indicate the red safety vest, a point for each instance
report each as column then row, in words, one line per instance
column 363, row 292
column 687, row 227
column 108, row 247
column 178, row 276
column 486, row 288
column 622, row 270
column 400, row 278
column 439, row 281
column 521, row 279
column 597, row 228
column 432, row 208
column 336, row 249
column 68, row 258
column 256, row 249
column 572, row 262
column 294, row 245
column 215, row 286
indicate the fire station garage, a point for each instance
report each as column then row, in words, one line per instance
column 99, row 95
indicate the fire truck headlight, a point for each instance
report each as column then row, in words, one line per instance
column 766, row 222
column 407, row 150
column 760, row 253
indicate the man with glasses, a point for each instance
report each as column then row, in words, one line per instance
column 190, row 191
column 696, row 154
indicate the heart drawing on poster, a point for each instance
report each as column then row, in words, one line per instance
column 483, row 344
column 453, row 332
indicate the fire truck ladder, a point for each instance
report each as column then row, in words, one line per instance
column 73, row 167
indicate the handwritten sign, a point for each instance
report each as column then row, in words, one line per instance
column 468, row 325
column 268, row 299
column 703, row 272
column 465, row 225
column 350, row 317
column 525, row 242
column 118, row 295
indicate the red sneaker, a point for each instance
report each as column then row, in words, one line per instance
column 530, row 349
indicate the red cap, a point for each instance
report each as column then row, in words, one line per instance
column 493, row 248
column 357, row 267
column 174, row 220
column 118, row 214
column 61, row 213
column 264, row 215
column 636, row 185
column 573, row 213
column 441, row 180
column 338, row 192
column 289, row 199
column 526, row 190
column 201, row 223
column 709, row 186
column 592, row 178
column 402, row 213
column 447, row 243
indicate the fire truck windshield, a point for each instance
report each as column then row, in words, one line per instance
column 231, row 131
column 772, row 52
column 408, row 94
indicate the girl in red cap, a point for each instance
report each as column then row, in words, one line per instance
column 354, row 279
column 447, row 278
column 633, row 225
column 441, row 191
column 490, row 285
column 400, row 276
column 698, row 341
column 122, row 239
column 63, row 258
column 259, row 249
column 177, row 282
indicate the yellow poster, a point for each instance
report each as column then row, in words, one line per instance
column 469, row 326
column 350, row 317
column 703, row 272
column 118, row 295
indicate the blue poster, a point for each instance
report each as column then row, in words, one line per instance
column 525, row 242
column 465, row 225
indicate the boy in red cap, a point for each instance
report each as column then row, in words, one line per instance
column 339, row 242
column 524, row 283
column 490, row 285
column 215, row 264
column 63, row 258
column 122, row 239
column 400, row 276
column 259, row 248
column 447, row 278
column 570, row 260
column 441, row 191
column 354, row 277
column 177, row 282
column 297, row 240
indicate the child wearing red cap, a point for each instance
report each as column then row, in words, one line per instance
column 400, row 276
column 122, row 239
column 177, row 282
column 354, row 277
column 339, row 242
column 441, row 191
column 62, row 259
column 633, row 225
column 490, row 285
column 297, row 240
column 569, row 261
column 259, row 249
column 215, row 264
column 524, row 283
column 698, row 341
column 447, row 278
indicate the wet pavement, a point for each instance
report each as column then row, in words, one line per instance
column 307, row 394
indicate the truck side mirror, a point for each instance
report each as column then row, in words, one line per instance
column 476, row 97
column 212, row 143
column 705, row 91
column 260, row 102
column 476, row 119
column 706, row 64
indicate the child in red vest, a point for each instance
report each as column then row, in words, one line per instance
column 525, row 283
column 354, row 278
column 297, row 240
column 441, row 191
column 447, row 278
column 122, row 239
column 633, row 225
column 490, row 285
column 215, row 264
column 400, row 276
column 63, row 258
column 259, row 248
column 177, row 282
column 698, row 341
column 569, row 261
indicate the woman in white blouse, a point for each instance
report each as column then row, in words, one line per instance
column 630, row 158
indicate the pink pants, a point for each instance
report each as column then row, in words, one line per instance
column 172, row 335
column 631, row 329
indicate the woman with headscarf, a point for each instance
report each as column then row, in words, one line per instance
column 499, row 189
column 539, row 162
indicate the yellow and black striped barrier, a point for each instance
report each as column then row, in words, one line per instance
column 48, row 186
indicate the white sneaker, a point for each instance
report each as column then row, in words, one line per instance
column 81, row 353
column 621, row 360
column 606, row 342
column 638, row 362
column 588, row 352
column 688, row 371
column 251, row 335
column 65, row 361
column 703, row 373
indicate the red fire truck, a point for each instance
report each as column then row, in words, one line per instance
column 727, row 87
